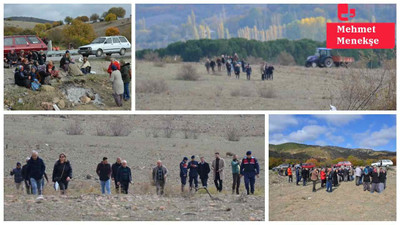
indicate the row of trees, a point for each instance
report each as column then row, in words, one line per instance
column 112, row 14
column 273, row 161
column 194, row 50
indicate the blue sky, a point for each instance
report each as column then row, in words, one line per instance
column 377, row 132
column 56, row 12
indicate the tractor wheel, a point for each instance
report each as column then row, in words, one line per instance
column 314, row 64
column 328, row 62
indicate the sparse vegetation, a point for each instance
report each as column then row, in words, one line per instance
column 150, row 86
column 188, row 72
column 74, row 128
column 266, row 92
column 232, row 134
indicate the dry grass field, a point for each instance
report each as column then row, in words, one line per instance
column 347, row 202
column 293, row 88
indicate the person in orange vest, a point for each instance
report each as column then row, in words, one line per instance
column 290, row 175
column 323, row 177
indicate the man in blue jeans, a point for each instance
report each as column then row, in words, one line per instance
column 104, row 172
column 35, row 171
column 126, row 74
column 329, row 180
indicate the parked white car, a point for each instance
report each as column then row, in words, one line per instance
column 106, row 45
column 383, row 163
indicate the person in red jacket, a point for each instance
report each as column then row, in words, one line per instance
column 323, row 177
column 290, row 174
column 116, row 63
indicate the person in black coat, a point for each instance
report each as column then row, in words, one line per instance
column 104, row 171
column 114, row 169
column 204, row 170
column 42, row 58
column 26, row 178
column 335, row 177
column 193, row 173
column 12, row 58
column 62, row 172
column 304, row 175
column 35, row 172
column 382, row 179
column 21, row 78
column 367, row 180
column 374, row 180
column 124, row 177
column 212, row 65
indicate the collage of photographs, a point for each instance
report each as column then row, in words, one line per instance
column 256, row 112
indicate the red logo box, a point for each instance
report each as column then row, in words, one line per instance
column 360, row 35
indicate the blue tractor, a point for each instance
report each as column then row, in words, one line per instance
column 321, row 58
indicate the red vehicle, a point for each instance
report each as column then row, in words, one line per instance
column 343, row 163
column 23, row 42
column 308, row 165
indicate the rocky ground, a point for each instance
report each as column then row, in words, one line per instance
column 347, row 202
column 89, row 92
column 145, row 143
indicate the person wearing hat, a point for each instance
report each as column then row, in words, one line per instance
column 183, row 166
column 117, row 84
column 249, row 169
column 126, row 78
column 104, row 172
column 193, row 173
column 65, row 61
column 17, row 173
column 218, row 166
column 85, row 67
column 26, row 178
column 113, row 62
column 204, row 170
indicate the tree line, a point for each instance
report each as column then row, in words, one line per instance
column 299, row 50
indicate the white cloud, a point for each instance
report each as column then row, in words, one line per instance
column 280, row 122
column 335, row 139
column 377, row 138
column 307, row 133
column 338, row 120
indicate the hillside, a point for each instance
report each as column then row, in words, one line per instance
column 20, row 24
column 303, row 152
column 27, row 19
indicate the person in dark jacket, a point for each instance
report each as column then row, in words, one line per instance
column 304, row 175
column 207, row 65
column 212, row 65
column 114, row 169
column 35, row 170
column 248, row 71
column 124, row 177
column 374, row 180
column 249, row 168
column 329, row 179
column 21, row 78
column 12, row 58
column 367, row 180
column 26, row 178
column 236, row 68
column 42, row 58
column 126, row 74
column 183, row 167
column 32, row 58
column 203, row 170
column 17, row 173
column 382, row 179
column 228, row 68
column 104, row 171
column 62, row 172
column 242, row 63
column 193, row 173
column 235, row 164
column 65, row 61
column 298, row 175
column 335, row 177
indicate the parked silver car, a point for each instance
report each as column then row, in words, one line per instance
column 106, row 45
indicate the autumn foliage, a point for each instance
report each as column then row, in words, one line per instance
column 78, row 33
column 112, row 31
column 110, row 17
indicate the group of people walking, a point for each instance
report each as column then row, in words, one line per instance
column 248, row 168
column 373, row 179
column 33, row 174
column 231, row 63
column 236, row 65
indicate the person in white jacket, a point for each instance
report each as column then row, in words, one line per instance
column 358, row 175
column 118, row 85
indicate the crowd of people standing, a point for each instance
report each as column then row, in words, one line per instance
column 373, row 179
